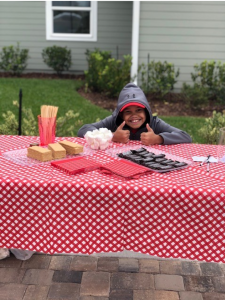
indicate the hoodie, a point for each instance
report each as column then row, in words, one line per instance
column 132, row 93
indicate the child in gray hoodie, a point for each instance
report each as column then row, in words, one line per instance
column 132, row 120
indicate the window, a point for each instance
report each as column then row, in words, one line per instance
column 71, row 20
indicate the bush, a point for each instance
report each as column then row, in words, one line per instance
column 57, row 58
column 14, row 59
column 210, row 131
column 195, row 95
column 106, row 74
column 210, row 76
column 30, row 125
column 158, row 77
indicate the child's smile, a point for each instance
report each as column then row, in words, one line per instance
column 134, row 116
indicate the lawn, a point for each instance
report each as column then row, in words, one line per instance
column 63, row 93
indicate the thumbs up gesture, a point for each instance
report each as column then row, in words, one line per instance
column 120, row 135
column 150, row 138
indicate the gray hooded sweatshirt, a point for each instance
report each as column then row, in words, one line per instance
column 132, row 93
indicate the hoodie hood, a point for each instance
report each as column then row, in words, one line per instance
column 131, row 93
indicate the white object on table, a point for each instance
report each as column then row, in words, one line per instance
column 98, row 138
column 212, row 159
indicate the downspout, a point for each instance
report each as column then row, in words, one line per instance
column 135, row 39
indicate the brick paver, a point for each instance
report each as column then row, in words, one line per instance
column 166, row 295
column 67, row 276
column 211, row 269
column 36, row 292
column 190, row 296
column 39, row 262
column 200, row 284
column 11, row 275
column 169, row 282
column 12, row 291
column 213, row 296
column 75, row 277
column 38, row 276
column 108, row 264
column 59, row 262
column 65, row 291
column 95, row 285
column 155, row 295
column 190, row 268
column 170, row 267
column 121, row 294
column 148, row 266
column 219, row 284
column 136, row 281
column 128, row 265
column 84, row 263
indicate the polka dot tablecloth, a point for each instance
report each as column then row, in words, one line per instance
column 178, row 214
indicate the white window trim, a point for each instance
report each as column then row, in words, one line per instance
column 92, row 37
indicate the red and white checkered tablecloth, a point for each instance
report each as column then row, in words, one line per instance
column 179, row 214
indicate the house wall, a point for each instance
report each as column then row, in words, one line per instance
column 24, row 22
column 184, row 33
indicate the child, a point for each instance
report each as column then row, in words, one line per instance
column 133, row 120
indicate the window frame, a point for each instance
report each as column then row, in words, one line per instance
column 91, row 37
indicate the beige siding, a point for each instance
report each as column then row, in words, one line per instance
column 24, row 22
column 184, row 33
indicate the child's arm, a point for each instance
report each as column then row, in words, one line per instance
column 120, row 135
column 150, row 138
column 171, row 135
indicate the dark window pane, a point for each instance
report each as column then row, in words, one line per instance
column 72, row 3
column 71, row 22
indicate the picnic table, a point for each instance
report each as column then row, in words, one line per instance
column 179, row 214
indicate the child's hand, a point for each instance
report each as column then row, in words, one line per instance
column 120, row 135
column 150, row 138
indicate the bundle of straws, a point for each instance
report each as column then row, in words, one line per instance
column 48, row 123
column 48, row 111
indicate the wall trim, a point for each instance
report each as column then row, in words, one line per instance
column 135, row 39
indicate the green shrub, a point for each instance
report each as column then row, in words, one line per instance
column 211, row 77
column 195, row 95
column 106, row 74
column 14, row 59
column 57, row 58
column 158, row 77
column 30, row 126
column 210, row 131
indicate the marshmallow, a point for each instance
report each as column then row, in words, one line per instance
column 98, row 139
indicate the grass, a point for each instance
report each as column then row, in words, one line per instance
column 36, row 92
column 189, row 124
column 63, row 93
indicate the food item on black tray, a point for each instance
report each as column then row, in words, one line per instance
column 138, row 151
column 158, row 155
column 146, row 154
column 157, row 162
column 180, row 164
column 147, row 160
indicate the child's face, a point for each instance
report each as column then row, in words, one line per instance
column 134, row 116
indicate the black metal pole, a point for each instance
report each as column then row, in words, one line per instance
column 20, row 111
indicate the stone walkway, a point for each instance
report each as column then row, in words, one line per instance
column 74, row 277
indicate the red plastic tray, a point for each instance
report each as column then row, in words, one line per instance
column 75, row 165
column 126, row 169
